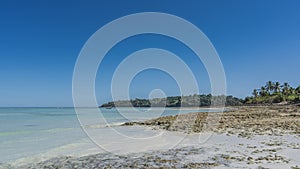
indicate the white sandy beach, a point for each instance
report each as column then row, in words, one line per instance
column 224, row 151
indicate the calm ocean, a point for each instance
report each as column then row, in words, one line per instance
column 28, row 132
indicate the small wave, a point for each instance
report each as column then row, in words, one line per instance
column 11, row 133
column 97, row 126
column 30, row 125
column 55, row 130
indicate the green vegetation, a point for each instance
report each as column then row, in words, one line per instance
column 178, row 101
column 274, row 92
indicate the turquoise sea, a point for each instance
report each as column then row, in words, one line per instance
column 28, row 132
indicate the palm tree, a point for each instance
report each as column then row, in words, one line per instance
column 255, row 93
column 292, row 90
column 270, row 87
column 277, row 87
column 286, row 88
column 263, row 91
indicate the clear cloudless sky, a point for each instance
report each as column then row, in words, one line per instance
column 40, row 41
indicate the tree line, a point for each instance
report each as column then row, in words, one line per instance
column 274, row 92
column 271, row 92
column 178, row 101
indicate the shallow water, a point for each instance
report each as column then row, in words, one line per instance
column 28, row 132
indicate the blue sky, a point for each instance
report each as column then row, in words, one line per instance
column 257, row 41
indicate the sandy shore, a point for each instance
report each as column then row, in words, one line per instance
column 246, row 137
column 221, row 151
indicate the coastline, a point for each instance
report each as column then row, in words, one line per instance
column 247, row 136
column 222, row 151
column 243, row 120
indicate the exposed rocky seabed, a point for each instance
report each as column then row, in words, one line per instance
column 245, row 137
